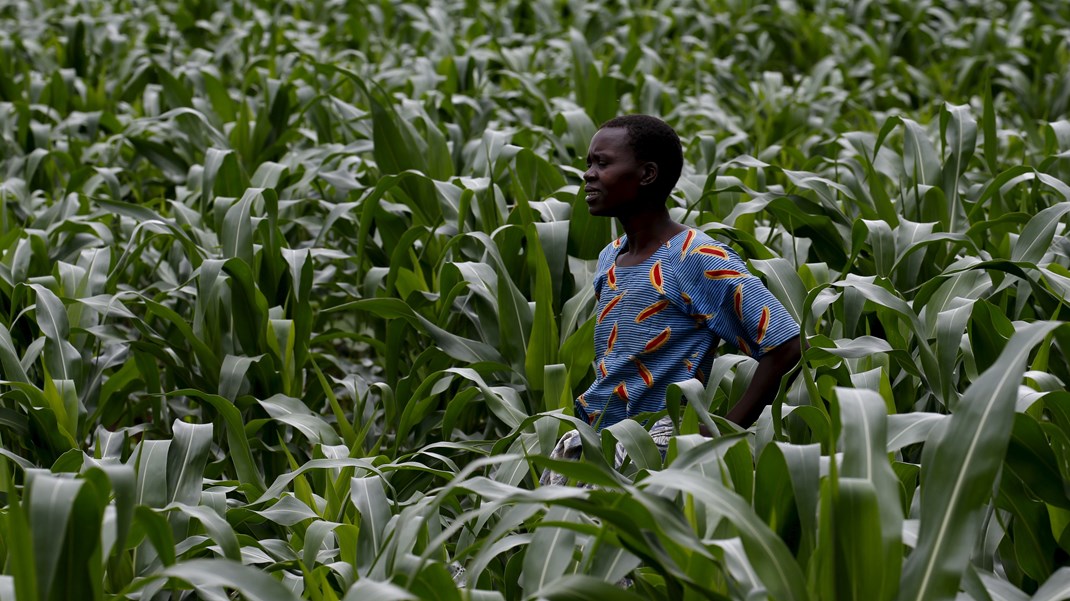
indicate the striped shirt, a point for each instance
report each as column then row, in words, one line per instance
column 659, row 322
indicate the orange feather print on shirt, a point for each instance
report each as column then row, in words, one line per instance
column 621, row 391
column 737, row 301
column 686, row 297
column 612, row 339
column 656, row 279
column 688, row 239
column 609, row 306
column 658, row 341
column 652, row 310
column 616, row 243
column 710, row 249
column 644, row 373
column 723, row 274
column 611, row 277
column 763, row 325
column 602, row 368
column 742, row 345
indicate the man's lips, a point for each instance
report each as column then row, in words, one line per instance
column 592, row 193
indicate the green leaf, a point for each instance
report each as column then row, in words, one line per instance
column 51, row 314
column 637, row 443
column 81, row 557
column 462, row 349
column 919, row 157
column 910, row 428
column 774, row 564
column 863, row 419
column 774, row 499
column 957, row 475
column 960, row 135
column 158, row 531
column 549, row 553
column 218, row 529
column 882, row 245
column 315, row 534
column 543, row 342
column 205, row 357
column 611, row 563
column 222, row 175
column 282, row 481
column 293, row 412
column 250, row 325
column 369, row 497
column 1036, row 237
column 163, row 157
column 238, row 448
column 804, row 469
column 950, row 327
column 784, row 282
column 19, row 540
column 232, row 375
column 988, row 126
column 860, row 552
column 381, row 591
column 1055, row 588
column 578, row 587
column 152, row 465
column 253, row 584
column 1030, row 457
column 50, row 503
column 9, row 359
column 123, row 482
column 1030, row 529
column 186, row 457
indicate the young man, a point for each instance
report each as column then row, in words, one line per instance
column 666, row 294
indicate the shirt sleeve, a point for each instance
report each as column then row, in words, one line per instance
column 719, row 292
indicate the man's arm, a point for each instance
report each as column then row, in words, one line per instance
column 766, row 381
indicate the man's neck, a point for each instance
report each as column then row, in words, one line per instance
column 646, row 232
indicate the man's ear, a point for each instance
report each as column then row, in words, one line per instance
column 650, row 173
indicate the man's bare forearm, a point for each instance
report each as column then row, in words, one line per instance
column 766, row 382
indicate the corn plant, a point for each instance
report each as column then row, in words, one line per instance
column 295, row 298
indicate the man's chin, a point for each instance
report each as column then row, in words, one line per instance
column 597, row 210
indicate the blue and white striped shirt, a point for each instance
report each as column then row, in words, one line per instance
column 659, row 322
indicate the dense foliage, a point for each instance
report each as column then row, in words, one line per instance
column 294, row 298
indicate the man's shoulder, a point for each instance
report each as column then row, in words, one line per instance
column 697, row 245
column 610, row 250
column 702, row 238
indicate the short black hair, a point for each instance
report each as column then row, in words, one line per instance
column 651, row 139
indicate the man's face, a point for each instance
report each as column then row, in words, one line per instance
column 614, row 176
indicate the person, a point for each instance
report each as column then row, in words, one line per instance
column 666, row 294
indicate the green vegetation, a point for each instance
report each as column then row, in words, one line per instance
column 292, row 295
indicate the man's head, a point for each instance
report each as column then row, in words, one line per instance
column 632, row 158
column 653, row 140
